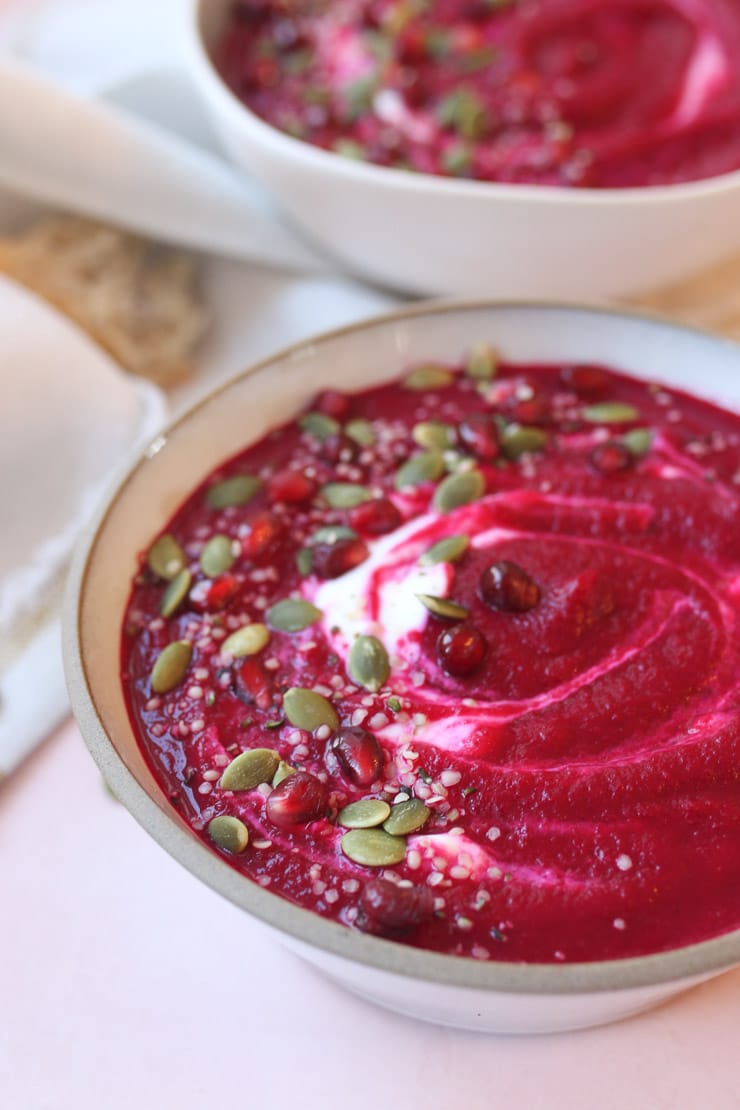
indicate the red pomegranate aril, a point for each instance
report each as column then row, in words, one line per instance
column 339, row 448
column 479, row 434
column 611, row 457
column 527, row 410
column 333, row 403
column 298, row 799
column 505, row 585
column 590, row 381
column 461, row 649
column 389, row 906
column 329, row 560
column 210, row 596
column 359, row 755
column 264, row 530
column 254, row 684
column 291, row 486
column 375, row 517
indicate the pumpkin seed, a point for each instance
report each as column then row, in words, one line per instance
column 176, row 592
column 250, row 639
column 249, row 769
column 166, row 558
column 448, row 550
column 308, row 710
column 373, row 847
column 517, row 440
column 433, row 435
column 458, row 489
column 330, row 533
column 639, row 441
column 319, row 425
column 443, row 607
column 427, row 466
column 407, row 817
column 217, row 556
column 283, row 770
column 345, row 495
column 170, row 666
column 610, row 412
column 368, row 664
column 233, row 491
column 304, row 561
column 361, row 431
column 482, row 363
column 229, row 833
column 293, row 614
column 365, row 814
column 432, row 375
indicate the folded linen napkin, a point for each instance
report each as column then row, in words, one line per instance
column 67, row 419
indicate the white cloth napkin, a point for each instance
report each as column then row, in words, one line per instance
column 68, row 417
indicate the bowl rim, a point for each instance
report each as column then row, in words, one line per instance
column 435, row 184
column 688, row 962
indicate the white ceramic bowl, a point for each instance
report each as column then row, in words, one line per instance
column 492, row 996
column 424, row 234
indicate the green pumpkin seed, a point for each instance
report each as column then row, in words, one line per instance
column 345, row 495
column 368, row 664
column 250, row 769
column 458, row 489
column 330, row 533
column 365, row 814
column 361, row 431
column 217, row 556
column 407, row 817
column 293, row 615
column 443, row 607
column 610, row 412
column 308, row 710
column 304, row 561
column 229, row 833
column 283, row 771
column 166, row 558
column 250, row 639
column 448, row 550
column 432, row 375
column 319, row 425
column 482, row 363
column 427, row 466
column 233, row 491
column 373, row 847
column 517, row 440
column 433, row 435
column 170, row 666
column 639, row 441
column 176, row 592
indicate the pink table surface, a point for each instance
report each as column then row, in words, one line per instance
column 126, row 983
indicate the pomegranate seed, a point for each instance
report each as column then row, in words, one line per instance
column 253, row 684
column 461, row 649
column 339, row 448
column 333, row 403
column 359, row 754
column 210, row 596
column 298, row 799
column 588, row 380
column 480, row 435
column 264, row 530
column 291, row 486
column 611, row 457
column 530, row 410
column 375, row 517
column 388, row 906
column 505, row 585
column 329, row 560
